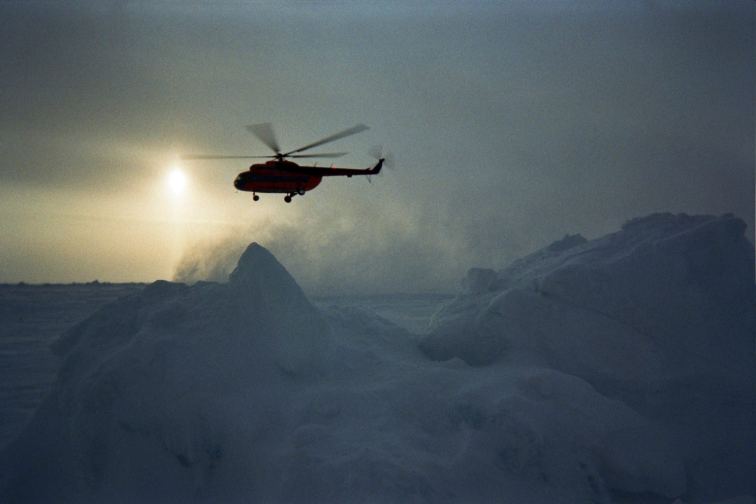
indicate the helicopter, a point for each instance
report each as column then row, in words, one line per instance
column 279, row 175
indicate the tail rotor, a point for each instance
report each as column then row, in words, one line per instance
column 378, row 152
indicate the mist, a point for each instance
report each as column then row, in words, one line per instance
column 354, row 254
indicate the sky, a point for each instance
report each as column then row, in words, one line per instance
column 512, row 124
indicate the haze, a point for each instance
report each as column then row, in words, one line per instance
column 512, row 124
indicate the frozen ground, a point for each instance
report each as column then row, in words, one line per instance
column 412, row 312
column 617, row 370
column 31, row 317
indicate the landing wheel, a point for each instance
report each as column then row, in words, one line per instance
column 255, row 197
column 287, row 198
column 301, row 192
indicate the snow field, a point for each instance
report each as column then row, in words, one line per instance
column 612, row 370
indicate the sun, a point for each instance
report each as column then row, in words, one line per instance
column 176, row 181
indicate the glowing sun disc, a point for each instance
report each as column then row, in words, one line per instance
column 176, row 181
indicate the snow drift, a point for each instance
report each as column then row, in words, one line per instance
column 659, row 314
column 546, row 382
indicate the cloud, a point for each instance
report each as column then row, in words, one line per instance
column 367, row 250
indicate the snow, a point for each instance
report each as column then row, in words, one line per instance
column 616, row 369
column 30, row 317
column 659, row 314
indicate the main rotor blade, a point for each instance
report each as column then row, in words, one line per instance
column 190, row 157
column 351, row 131
column 264, row 133
column 320, row 155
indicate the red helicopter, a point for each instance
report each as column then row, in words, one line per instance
column 282, row 176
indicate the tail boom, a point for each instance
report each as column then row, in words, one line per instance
column 337, row 172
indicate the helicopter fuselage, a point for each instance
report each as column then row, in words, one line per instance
column 276, row 177
column 282, row 176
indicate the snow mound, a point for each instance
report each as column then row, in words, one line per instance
column 659, row 314
column 665, row 291
column 152, row 384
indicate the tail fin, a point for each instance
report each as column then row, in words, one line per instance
column 377, row 168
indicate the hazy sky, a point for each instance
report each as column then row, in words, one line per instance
column 512, row 124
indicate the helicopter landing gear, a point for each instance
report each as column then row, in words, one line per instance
column 288, row 197
column 255, row 197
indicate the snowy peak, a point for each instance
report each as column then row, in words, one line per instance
column 669, row 281
column 254, row 259
column 662, row 267
column 260, row 315
column 258, row 273
column 567, row 242
column 257, row 263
